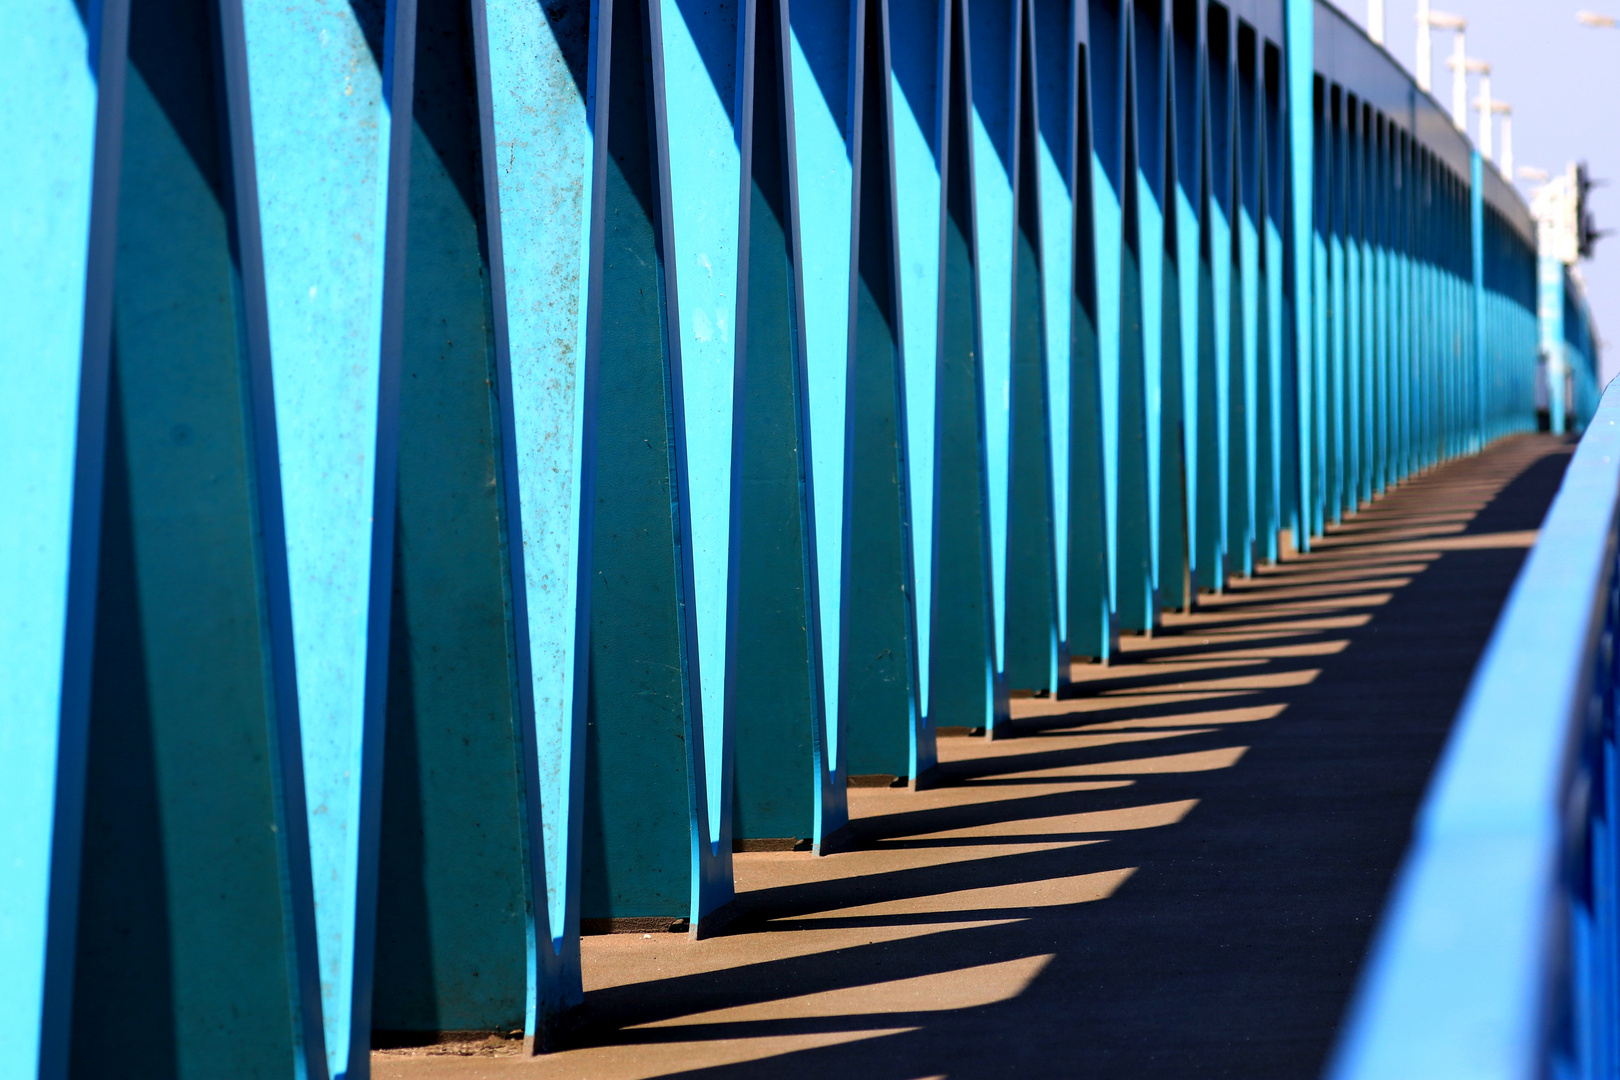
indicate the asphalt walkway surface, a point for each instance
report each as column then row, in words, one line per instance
column 1173, row 871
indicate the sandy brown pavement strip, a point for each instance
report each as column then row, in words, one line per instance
column 1171, row 873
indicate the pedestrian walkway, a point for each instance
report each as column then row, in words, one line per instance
column 1170, row 872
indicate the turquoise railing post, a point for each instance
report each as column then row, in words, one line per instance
column 333, row 201
column 994, row 65
column 787, row 786
column 1109, row 69
column 1279, row 256
column 1032, row 636
column 1053, row 43
column 882, row 722
column 195, row 944
column 1249, row 325
column 964, row 691
column 1233, row 407
column 1150, row 66
column 853, row 346
column 648, row 849
column 1091, row 629
column 920, row 89
column 456, row 936
column 1191, row 429
column 708, row 59
column 1300, row 90
column 1136, row 589
column 541, row 81
column 825, row 69
column 61, row 121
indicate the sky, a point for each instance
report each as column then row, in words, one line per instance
column 1563, row 81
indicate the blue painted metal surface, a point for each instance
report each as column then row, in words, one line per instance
column 1495, row 957
column 61, row 110
column 824, row 76
column 919, row 73
column 993, row 63
column 333, row 185
column 871, row 358
column 542, row 185
column 1055, row 39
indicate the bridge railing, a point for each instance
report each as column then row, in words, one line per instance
column 1498, row 954
column 430, row 429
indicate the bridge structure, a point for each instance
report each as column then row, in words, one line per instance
column 472, row 468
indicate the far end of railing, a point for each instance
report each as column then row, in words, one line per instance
column 1497, row 955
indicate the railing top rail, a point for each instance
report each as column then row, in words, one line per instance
column 1457, row 984
column 1347, row 56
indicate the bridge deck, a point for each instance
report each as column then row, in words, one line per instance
column 1173, row 873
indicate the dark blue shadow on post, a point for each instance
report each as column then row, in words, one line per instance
column 1090, row 632
column 779, row 799
column 878, row 665
column 962, row 680
column 1032, row 630
column 639, row 740
column 185, row 952
column 1134, row 586
column 452, row 897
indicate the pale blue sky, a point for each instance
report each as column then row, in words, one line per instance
column 1563, row 81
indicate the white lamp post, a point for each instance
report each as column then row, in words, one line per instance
column 1459, row 88
column 1505, row 111
column 1375, row 20
column 1488, row 107
column 1428, row 21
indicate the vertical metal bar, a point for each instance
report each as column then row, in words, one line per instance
column 333, row 213
column 61, row 120
column 543, row 140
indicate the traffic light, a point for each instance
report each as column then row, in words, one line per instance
column 1587, row 232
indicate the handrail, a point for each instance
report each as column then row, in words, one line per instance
column 1495, row 959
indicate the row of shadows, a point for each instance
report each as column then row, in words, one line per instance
column 1171, row 872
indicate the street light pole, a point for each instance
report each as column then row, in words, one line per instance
column 1425, row 76
column 1375, row 21
column 1459, row 81
column 1505, row 111
column 1428, row 21
column 1459, row 86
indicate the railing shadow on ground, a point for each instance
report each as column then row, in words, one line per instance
column 1239, row 788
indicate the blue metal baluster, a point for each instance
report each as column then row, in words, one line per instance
column 707, row 56
column 333, row 190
